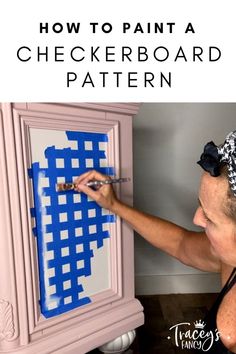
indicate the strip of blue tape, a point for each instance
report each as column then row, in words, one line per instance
column 70, row 225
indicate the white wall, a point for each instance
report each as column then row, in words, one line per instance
column 168, row 140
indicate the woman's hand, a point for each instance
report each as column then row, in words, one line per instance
column 104, row 195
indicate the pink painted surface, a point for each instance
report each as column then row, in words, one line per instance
column 112, row 312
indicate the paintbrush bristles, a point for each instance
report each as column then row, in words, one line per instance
column 61, row 187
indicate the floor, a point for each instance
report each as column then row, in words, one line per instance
column 161, row 313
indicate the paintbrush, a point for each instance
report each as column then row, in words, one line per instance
column 61, row 187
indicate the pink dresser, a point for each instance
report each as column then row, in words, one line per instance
column 66, row 265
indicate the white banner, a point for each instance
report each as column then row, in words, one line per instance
column 162, row 51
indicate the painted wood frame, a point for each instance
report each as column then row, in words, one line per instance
column 112, row 312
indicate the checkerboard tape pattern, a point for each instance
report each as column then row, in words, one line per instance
column 67, row 224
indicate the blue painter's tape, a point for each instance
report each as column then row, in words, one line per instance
column 30, row 172
column 64, row 228
column 32, row 212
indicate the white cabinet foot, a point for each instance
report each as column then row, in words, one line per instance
column 118, row 345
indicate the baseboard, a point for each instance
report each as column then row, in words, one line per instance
column 177, row 284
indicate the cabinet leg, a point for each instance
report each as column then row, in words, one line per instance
column 118, row 345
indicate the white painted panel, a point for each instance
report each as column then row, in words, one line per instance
column 99, row 279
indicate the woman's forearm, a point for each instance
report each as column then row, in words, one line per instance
column 161, row 233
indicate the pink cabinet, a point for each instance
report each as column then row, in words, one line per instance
column 66, row 265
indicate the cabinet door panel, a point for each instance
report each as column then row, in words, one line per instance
column 76, row 243
column 72, row 231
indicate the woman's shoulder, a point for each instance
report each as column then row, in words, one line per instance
column 226, row 316
column 226, row 271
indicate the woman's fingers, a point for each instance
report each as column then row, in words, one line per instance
column 89, row 176
column 103, row 195
column 89, row 191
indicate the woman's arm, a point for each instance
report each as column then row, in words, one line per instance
column 191, row 248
